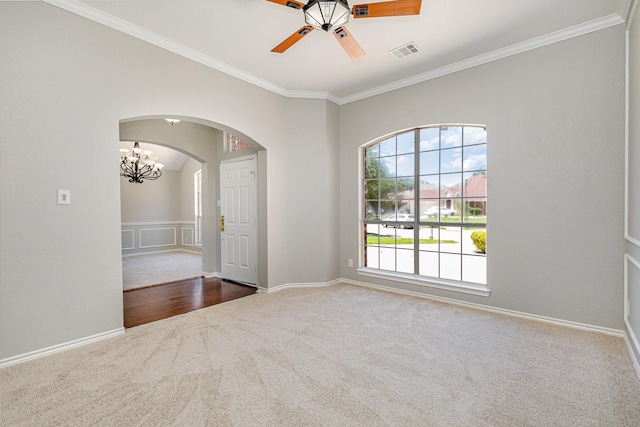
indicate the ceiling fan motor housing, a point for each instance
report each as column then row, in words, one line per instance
column 334, row 14
column 326, row 14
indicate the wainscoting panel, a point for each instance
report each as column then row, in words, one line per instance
column 187, row 236
column 632, row 302
column 157, row 237
column 140, row 238
column 128, row 242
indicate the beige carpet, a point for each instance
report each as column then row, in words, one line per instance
column 144, row 270
column 336, row 356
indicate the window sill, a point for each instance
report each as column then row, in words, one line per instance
column 463, row 287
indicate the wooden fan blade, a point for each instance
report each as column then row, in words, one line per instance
column 387, row 8
column 290, row 3
column 292, row 39
column 349, row 44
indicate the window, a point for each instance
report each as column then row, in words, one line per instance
column 425, row 204
column 197, row 196
column 233, row 143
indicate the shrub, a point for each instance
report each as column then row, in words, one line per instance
column 479, row 239
column 475, row 211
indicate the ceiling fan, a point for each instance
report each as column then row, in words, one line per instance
column 333, row 14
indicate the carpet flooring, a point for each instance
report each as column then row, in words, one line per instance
column 336, row 356
column 144, row 270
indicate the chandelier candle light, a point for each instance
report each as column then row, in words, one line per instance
column 139, row 165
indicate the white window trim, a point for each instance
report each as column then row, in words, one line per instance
column 429, row 282
column 197, row 232
column 414, row 279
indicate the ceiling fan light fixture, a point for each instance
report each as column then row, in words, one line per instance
column 326, row 14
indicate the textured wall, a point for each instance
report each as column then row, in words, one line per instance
column 555, row 123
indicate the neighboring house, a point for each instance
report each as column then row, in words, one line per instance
column 475, row 194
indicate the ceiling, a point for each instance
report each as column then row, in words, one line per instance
column 236, row 37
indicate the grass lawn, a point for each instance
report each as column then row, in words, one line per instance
column 456, row 219
column 384, row 240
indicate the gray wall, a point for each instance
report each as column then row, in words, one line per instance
column 312, row 213
column 153, row 201
column 555, row 123
column 632, row 258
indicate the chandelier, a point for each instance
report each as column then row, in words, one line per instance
column 326, row 14
column 139, row 165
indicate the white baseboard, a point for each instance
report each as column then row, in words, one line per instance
column 632, row 343
column 163, row 251
column 300, row 285
column 560, row 322
column 575, row 325
column 60, row 347
column 189, row 251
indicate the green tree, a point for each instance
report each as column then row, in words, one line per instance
column 381, row 188
column 379, row 184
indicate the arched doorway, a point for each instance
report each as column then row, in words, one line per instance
column 204, row 141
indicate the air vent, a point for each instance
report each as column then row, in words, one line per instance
column 406, row 50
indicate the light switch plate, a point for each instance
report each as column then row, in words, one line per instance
column 64, row 197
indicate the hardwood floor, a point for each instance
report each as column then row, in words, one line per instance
column 159, row 302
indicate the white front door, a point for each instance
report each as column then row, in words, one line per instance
column 238, row 220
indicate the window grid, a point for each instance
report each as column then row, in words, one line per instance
column 432, row 181
column 233, row 143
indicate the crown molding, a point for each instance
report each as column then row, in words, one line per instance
column 558, row 36
column 314, row 95
column 100, row 17
column 631, row 12
column 81, row 9
column 624, row 8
